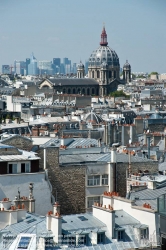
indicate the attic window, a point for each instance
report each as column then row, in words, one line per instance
column 24, row 243
column 82, row 218
column 30, row 221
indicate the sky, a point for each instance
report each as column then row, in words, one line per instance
column 136, row 30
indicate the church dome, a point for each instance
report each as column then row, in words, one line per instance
column 126, row 65
column 93, row 118
column 80, row 65
column 104, row 53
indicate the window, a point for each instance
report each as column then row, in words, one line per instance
column 91, row 200
column 110, row 74
column 12, row 168
column 100, row 238
column 93, row 180
column 120, row 235
column 27, row 168
column 82, row 240
column 143, row 233
column 105, row 179
column 24, row 243
column 98, row 74
column 22, row 167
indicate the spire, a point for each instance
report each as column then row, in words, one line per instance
column 103, row 37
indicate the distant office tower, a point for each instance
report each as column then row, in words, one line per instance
column 19, row 67
column 67, row 65
column 5, row 69
column 32, row 67
column 56, row 65
column 28, row 60
column 45, row 67
column 74, row 68
column 62, row 68
column 65, row 60
column 86, row 67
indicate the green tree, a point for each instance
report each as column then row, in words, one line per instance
column 119, row 93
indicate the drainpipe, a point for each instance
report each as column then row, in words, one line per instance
column 45, row 159
column 148, row 144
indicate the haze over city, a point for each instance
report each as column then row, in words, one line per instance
column 135, row 29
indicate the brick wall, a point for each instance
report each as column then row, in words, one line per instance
column 9, row 151
column 19, row 142
column 68, row 182
column 152, row 167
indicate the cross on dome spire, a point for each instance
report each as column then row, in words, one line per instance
column 103, row 37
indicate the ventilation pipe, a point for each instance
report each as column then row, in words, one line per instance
column 45, row 159
column 148, row 145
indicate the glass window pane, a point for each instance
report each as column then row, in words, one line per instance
column 27, row 168
column 14, row 168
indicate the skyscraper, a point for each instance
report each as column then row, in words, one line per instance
column 5, row 69
column 32, row 67
column 28, row 60
column 45, row 67
column 56, row 65
column 19, row 67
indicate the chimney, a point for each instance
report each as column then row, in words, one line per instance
column 29, row 202
column 31, row 199
column 56, row 208
column 54, row 222
column 107, row 216
column 152, row 185
column 5, row 204
column 113, row 155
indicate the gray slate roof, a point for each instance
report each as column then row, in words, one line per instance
column 71, row 82
column 101, row 157
column 148, row 194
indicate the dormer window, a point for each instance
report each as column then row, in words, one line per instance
column 100, row 238
column 120, row 235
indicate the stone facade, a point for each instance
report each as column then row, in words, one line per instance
column 151, row 166
column 68, row 182
column 19, row 142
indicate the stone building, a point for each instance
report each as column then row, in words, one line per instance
column 79, row 176
column 103, row 74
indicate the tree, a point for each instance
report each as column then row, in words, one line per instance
column 119, row 93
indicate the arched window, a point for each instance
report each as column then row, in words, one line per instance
column 93, row 91
column 114, row 74
column 74, row 91
column 79, row 91
column 110, row 74
column 98, row 74
column 88, row 91
column 92, row 74
column 83, row 91
column 69, row 91
column 64, row 91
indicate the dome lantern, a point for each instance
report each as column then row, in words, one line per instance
column 103, row 37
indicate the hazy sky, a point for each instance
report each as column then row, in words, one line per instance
column 136, row 30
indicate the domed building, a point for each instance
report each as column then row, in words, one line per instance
column 126, row 72
column 104, row 66
column 103, row 74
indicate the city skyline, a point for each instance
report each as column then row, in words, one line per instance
column 55, row 29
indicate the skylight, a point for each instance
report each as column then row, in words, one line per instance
column 24, row 243
column 82, row 218
column 30, row 221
